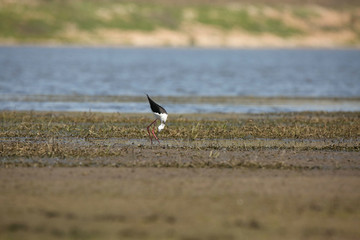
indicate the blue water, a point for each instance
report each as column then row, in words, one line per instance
column 176, row 72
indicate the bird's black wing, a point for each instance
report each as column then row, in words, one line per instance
column 156, row 108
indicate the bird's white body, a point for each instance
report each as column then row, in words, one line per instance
column 160, row 114
column 162, row 117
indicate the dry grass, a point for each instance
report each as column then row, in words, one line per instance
column 98, row 125
column 38, row 139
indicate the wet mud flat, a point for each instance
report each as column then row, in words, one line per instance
column 178, row 203
column 195, row 157
column 232, row 176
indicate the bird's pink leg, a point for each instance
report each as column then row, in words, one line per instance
column 154, row 134
column 149, row 130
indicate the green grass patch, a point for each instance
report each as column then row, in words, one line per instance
column 227, row 18
column 42, row 20
column 305, row 13
column 143, row 17
column 45, row 19
column 30, row 26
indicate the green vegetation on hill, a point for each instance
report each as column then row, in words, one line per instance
column 38, row 20
column 227, row 18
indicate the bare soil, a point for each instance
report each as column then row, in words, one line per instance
column 172, row 203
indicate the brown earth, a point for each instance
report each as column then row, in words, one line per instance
column 170, row 203
column 198, row 156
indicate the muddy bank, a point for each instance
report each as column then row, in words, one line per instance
column 168, row 203
column 201, row 158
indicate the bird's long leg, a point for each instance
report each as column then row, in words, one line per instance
column 149, row 130
column 154, row 133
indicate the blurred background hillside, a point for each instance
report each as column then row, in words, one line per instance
column 203, row 23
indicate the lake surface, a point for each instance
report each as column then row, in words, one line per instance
column 27, row 72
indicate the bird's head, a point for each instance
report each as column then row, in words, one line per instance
column 161, row 127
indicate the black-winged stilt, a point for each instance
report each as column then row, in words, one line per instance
column 159, row 113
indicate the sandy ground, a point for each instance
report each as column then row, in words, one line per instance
column 170, row 203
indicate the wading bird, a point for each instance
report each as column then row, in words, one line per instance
column 159, row 113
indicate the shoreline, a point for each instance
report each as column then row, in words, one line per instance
column 164, row 46
column 179, row 104
column 172, row 99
